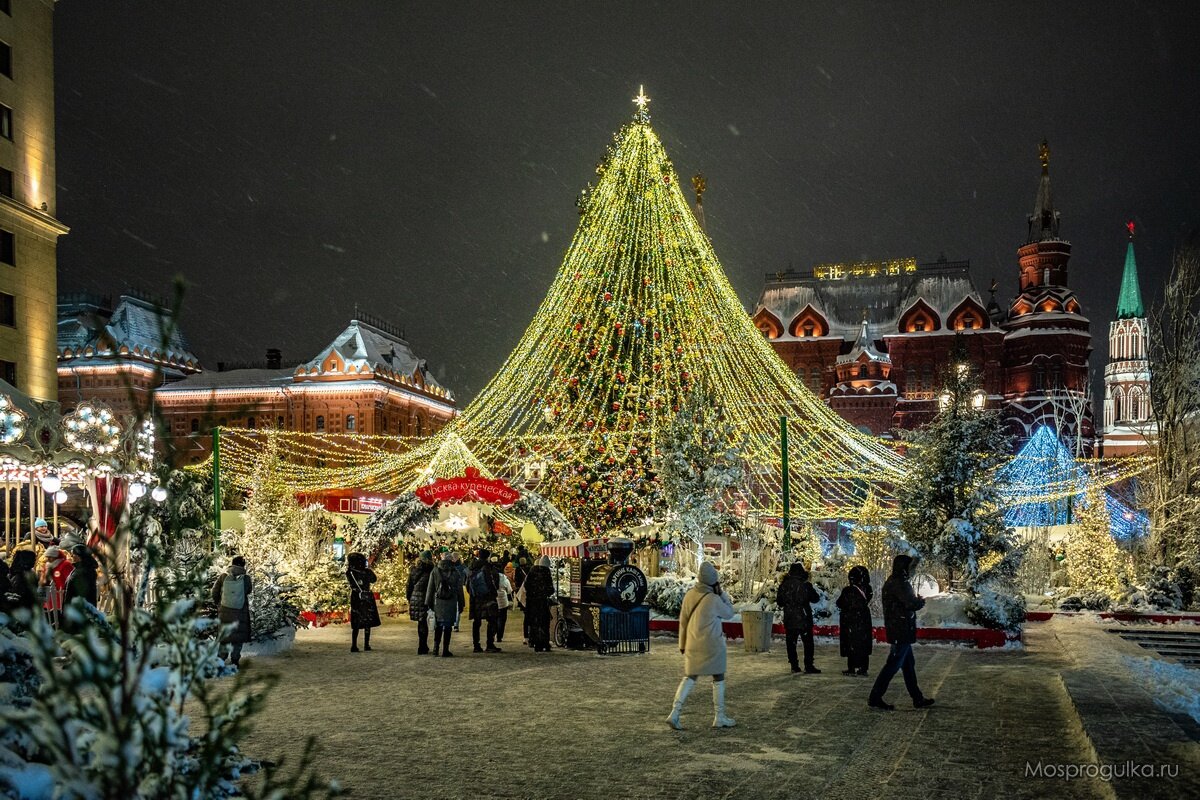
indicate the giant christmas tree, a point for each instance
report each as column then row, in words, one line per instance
column 639, row 313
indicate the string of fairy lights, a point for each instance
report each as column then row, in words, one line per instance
column 639, row 312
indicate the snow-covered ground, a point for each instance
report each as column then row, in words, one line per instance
column 390, row 723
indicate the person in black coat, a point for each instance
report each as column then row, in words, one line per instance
column 82, row 582
column 854, row 622
column 364, row 614
column 539, row 592
column 20, row 584
column 900, row 606
column 483, row 583
column 795, row 597
column 418, row 609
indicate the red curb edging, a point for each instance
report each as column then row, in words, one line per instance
column 982, row 638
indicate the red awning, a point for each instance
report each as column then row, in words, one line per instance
column 576, row 548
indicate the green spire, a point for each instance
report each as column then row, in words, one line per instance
column 1129, row 306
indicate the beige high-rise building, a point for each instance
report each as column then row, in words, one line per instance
column 28, row 229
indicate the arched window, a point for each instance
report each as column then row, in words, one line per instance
column 250, row 423
column 420, row 426
column 862, row 370
column 351, row 422
column 195, row 425
column 320, row 423
column 1117, row 405
column 1135, row 405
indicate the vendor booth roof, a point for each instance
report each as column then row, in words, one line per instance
column 576, row 548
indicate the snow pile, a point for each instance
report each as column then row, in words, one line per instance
column 1173, row 686
column 944, row 611
column 664, row 594
column 281, row 643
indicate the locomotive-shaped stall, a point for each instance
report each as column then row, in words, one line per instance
column 604, row 608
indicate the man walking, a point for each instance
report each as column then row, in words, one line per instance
column 796, row 596
column 900, row 606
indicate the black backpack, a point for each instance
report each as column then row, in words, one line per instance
column 445, row 590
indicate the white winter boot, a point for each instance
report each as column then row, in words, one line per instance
column 720, row 720
column 685, row 688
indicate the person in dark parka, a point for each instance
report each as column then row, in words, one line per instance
column 82, row 582
column 854, row 622
column 418, row 608
column 231, row 594
column 900, row 606
column 483, row 582
column 444, row 594
column 539, row 591
column 364, row 614
column 795, row 597
column 21, row 581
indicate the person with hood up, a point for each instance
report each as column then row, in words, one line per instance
column 364, row 614
column 483, row 583
column 796, row 596
column 702, row 642
column 539, row 591
column 444, row 594
column 900, row 606
column 854, row 622
column 418, row 589
column 231, row 593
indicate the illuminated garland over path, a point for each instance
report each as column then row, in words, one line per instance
column 1044, row 482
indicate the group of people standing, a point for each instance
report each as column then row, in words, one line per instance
column 50, row 573
column 706, row 605
column 442, row 590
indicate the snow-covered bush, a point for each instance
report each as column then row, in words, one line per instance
column 995, row 608
column 108, row 719
column 664, row 594
column 1157, row 593
column 18, row 674
column 1087, row 601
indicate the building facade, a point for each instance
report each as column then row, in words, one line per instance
column 29, row 230
column 875, row 338
column 1128, row 421
column 366, row 381
column 118, row 354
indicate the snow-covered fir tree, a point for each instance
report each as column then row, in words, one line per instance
column 1092, row 558
column 950, row 503
column 699, row 463
column 108, row 718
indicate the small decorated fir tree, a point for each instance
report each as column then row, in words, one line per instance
column 699, row 464
column 1092, row 558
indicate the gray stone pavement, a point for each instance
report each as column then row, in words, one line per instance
column 575, row 725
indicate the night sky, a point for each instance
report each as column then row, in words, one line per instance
column 292, row 159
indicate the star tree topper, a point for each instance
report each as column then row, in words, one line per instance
column 642, row 101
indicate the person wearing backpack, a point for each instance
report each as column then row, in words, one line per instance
column 443, row 594
column 483, row 583
column 231, row 593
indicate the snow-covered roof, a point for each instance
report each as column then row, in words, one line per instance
column 864, row 345
column 364, row 349
column 231, row 379
column 882, row 299
column 133, row 329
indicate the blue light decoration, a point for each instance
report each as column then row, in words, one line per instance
column 1043, row 462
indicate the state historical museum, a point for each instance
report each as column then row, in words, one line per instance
column 873, row 338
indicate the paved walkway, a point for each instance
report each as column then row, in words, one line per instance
column 575, row 725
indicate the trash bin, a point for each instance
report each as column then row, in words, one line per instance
column 756, row 630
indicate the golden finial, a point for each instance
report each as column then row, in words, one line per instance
column 1044, row 155
column 699, row 185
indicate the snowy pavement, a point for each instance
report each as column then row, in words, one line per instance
column 574, row 725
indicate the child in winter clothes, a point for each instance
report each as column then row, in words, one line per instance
column 702, row 642
column 854, row 622
column 796, row 596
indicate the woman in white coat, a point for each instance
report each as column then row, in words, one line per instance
column 702, row 642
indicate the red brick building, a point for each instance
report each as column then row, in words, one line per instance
column 367, row 380
column 873, row 338
column 117, row 354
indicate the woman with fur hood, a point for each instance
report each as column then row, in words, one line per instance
column 702, row 642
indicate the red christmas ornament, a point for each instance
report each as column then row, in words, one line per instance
column 607, row 296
